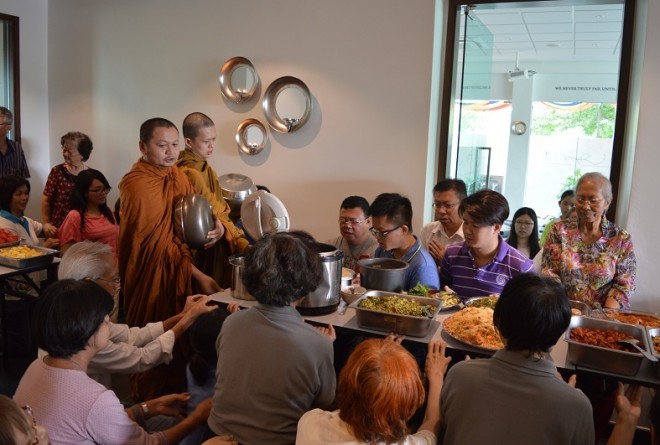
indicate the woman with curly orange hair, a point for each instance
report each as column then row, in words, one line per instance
column 380, row 388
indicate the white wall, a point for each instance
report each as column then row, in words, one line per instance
column 367, row 63
column 33, row 38
column 122, row 62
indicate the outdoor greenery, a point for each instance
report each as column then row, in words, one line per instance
column 570, row 182
column 595, row 121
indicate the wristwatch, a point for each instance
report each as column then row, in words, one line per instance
column 145, row 410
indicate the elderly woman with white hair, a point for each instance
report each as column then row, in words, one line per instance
column 129, row 350
column 592, row 257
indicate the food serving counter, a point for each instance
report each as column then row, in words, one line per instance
column 348, row 321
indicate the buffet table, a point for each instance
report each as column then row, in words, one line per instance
column 348, row 322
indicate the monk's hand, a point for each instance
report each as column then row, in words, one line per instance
column 215, row 235
column 207, row 284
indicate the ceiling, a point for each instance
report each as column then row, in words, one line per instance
column 547, row 33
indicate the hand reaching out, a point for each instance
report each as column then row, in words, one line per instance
column 328, row 331
column 436, row 361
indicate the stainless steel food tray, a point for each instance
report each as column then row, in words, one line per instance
column 608, row 314
column 605, row 359
column 389, row 322
column 654, row 332
column 472, row 300
column 22, row 263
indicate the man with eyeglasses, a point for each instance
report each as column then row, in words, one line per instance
column 355, row 241
column 447, row 228
column 391, row 221
column 12, row 157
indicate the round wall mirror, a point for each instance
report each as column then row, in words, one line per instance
column 287, row 104
column 238, row 80
column 251, row 137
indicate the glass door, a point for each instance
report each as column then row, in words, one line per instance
column 534, row 96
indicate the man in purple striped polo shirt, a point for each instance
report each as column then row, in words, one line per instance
column 484, row 262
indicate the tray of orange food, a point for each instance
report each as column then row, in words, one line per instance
column 474, row 327
column 633, row 317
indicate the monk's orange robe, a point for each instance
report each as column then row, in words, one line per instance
column 154, row 265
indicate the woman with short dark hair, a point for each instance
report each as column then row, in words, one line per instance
column 515, row 397
column 484, row 262
column 71, row 324
column 380, row 388
column 14, row 198
column 286, row 366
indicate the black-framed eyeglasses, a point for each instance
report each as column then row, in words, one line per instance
column 384, row 233
column 351, row 221
column 33, row 423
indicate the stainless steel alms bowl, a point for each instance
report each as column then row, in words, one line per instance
column 193, row 219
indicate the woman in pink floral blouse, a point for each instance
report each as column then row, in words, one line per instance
column 592, row 257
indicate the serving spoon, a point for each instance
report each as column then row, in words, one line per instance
column 635, row 344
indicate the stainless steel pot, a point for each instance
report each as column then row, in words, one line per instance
column 385, row 274
column 235, row 188
column 325, row 298
column 238, row 289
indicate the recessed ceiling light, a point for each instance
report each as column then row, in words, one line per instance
column 552, row 45
column 599, row 16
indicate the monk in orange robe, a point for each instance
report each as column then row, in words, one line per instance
column 155, row 266
column 199, row 136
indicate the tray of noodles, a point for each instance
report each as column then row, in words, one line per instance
column 474, row 327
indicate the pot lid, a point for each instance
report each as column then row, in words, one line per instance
column 262, row 213
column 236, row 182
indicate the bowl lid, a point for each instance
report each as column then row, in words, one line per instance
column 262, row 213
column 235, row 182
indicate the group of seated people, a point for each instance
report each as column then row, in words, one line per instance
column 463, row 250
column 269, row 377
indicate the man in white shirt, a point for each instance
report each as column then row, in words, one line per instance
column 355, row 241
column 130, row 350
column 448, row 227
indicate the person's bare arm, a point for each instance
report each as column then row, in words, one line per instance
column 48, row 229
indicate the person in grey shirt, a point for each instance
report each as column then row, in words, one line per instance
column 272, row 366
column 516, row 397
column 355, row 241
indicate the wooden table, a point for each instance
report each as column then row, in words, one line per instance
column 6, row 274
column 348, row 321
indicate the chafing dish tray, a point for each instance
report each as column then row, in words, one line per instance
column 653, row 333
column 579, row 306
column 45, row 258
column 414, row 326
column 601, row 358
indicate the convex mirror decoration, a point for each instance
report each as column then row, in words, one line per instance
column 238, row 80
column 251, row 137
column 287, row 104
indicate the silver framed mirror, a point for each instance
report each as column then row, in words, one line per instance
column 287, row 104
column 238, row 80
column 251, row 137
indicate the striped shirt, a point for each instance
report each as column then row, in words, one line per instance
column 13, row 161
column 459, row 272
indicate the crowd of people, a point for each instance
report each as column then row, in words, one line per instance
column 263, row 375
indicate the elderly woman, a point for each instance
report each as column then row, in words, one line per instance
column 71, row 324
column 484, row 262
column 281, row 367
column 592, row 257
column 380, row 388
column 14, row 198
column 90, row 218
column 507, row 399
column 56, row 200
